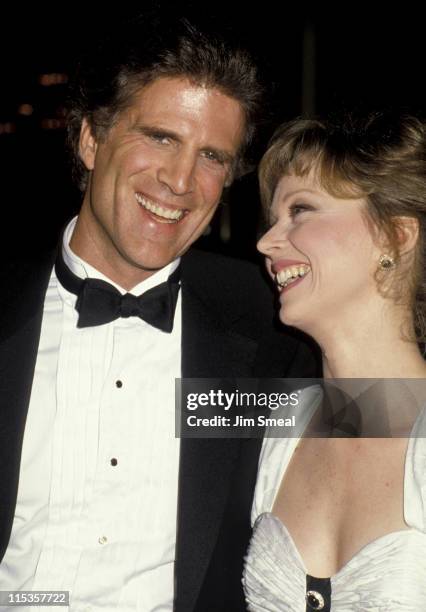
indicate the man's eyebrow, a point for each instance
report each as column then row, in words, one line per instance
column 151, row 130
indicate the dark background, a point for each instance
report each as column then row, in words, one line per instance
column 314, row 60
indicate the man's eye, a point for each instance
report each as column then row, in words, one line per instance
column 212, row 156
column 160, row 138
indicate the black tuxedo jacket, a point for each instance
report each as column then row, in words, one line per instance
column 227, row 331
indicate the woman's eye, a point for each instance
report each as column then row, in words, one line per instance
column 297, row 209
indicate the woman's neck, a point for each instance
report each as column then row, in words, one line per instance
column 377, row 359
column 370, row 345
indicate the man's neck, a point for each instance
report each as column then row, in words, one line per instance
column 115, row 269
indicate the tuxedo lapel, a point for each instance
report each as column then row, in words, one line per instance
column 209, row 350
column 21, row 309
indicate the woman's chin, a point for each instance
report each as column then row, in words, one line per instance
column 310, row 327
column 292, row 319
column 289, row 318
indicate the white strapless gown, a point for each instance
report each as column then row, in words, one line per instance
column 388, row 574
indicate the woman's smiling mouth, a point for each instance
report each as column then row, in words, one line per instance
column 289, row 272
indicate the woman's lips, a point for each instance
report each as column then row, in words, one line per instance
column 289, row 272
column 281, row 264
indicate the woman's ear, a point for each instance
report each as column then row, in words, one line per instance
column 407, row 229
column 87, row 145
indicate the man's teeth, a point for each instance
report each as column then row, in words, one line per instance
column 289, row 275
column 166, row 213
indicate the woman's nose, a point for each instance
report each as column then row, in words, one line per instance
column 270, row 242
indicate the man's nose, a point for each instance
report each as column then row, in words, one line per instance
column 177, row 172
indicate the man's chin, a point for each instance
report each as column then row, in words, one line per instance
column 154, row 265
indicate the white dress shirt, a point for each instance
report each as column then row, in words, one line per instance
column 97, row 497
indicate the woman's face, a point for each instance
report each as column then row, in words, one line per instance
column 320, row 253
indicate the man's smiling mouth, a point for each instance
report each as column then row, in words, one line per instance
column 164, row 215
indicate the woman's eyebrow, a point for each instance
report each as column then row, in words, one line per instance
column 289, row 195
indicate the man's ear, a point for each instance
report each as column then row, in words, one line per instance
column 408, row 233
column 87, row 145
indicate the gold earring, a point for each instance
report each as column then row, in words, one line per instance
column 386, row 262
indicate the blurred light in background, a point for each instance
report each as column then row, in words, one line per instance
column 7, row 128
column 53, row 124
column 53, row 78
column 26, row 110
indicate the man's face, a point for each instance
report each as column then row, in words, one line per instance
column 157, row 177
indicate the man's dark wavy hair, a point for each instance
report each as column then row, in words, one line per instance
column 142, row 51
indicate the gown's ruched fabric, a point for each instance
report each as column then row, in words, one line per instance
column 387, row 574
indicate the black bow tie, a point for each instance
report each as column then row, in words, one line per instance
column 98, row 302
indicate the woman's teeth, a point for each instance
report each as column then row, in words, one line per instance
column 289, row 275
column 173, row 216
